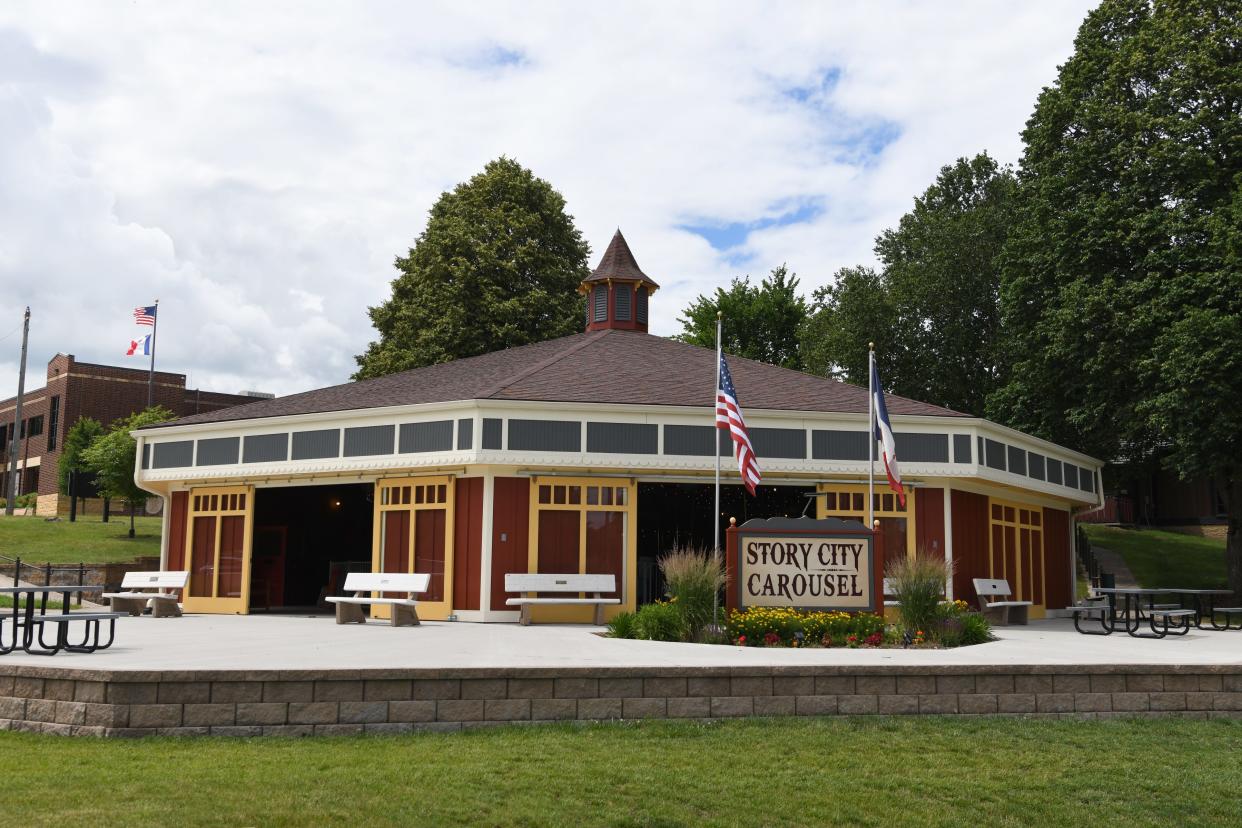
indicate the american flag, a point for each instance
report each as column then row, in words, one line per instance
column 729, row 417
column 145, row 316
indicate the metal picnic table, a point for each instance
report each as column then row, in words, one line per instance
column 25, row 621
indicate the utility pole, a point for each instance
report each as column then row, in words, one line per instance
column 11, row 488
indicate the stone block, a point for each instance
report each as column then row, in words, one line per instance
column 775, row 705
column 209, row 715
column 835, row 685
column 690, row 707
column 750, row 686
column 155, row 715
column 58, row 689
column 1211, row 683
column 417, row 710
column 435, row 689
column 289, row 731
column 706, row 686
column 1230, row 684
column 184, row 692
column 459, row 710
column 1108, row 683
column 235, row 692
column 978, row 703
column 246, row 731
column 793, row 685
column 575, row 688
column 620, row 688
column 1016, row 703
column 1093, row 702
column 938, row 703
column 1067, row 683
column 359, row 712
column 313, row 713
column 913, row 685
column 897, row 705
column 530, row 688
column 857, row 705
column 1227, row 701
column 1199, row 701
column 1054, row 702
column 26, row 687
column 386, row 690
column 41, row 710
column 143, row 692
column 508, row 710
column 1129, row 702
column 485, row 688
column 599, row 709
column 262, row 713
column 1144, row 683
column 818, row 705
column 6, row 686
column 71, row 713
column 644, row 708
column 288, row 691
column 335, row 730
column 337, row 691
column 553, row 709
column 876, row 685
column 106, row 715
column 184, row 732
column 1032, row 684
column 1174, row 683
column 388, row 728
column 994, row 684
column 954, row 684
column 12, row 707
column 1167, row 701
column 664, row 687
column 726, row 706
column 436, row 727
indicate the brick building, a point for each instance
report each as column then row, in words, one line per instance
column 81, row 389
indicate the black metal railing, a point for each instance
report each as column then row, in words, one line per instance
column 41, row 574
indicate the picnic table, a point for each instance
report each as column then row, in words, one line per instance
column 30, row 617
column 1131, row 617
column 1204, row 603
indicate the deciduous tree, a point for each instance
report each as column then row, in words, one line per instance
column 760, row 321
column 112, row 456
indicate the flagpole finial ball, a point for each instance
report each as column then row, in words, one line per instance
column 875, row 524
column 871, row 346
column 719, row 315
column 733, row 521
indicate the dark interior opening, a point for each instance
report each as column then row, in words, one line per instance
column 672, row 515
column 305, row 539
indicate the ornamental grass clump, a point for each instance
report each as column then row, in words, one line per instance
column 694, row 578
column 623, row 625
column 918, row 585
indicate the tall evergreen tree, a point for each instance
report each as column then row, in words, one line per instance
column 1122, row 290
column 498, row 265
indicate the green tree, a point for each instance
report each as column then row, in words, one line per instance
column 498, row 265
column 1122, row 290
column 112, row 457
column 79, row 436
column 760, row 321
column 933, row 309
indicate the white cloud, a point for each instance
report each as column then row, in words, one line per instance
column 257, row 168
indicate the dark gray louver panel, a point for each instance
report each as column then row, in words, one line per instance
column 622, row 438
column 465, row 434
column 172, row 455
column 1054, row 471
column 544, row 435
column 1017, row 460
column 783, row 443
column 315, row 445
column 433, row 436
column 641, row 298
column 995, row 455
column 265, row 448
column 365, row 441
column 838, row 445
column 1035, row 464
column 146, row 455
column 623, row 294
column 961, row 449
column 692, row 441
column 492, row 431
column 922, row 448
column 218, row 451
column 601, row 303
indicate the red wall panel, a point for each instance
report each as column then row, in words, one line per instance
column 180, row 508
column 970, row 542
column 929, row 520
column 510, row 533
column 468, row 543
column 1057, row 561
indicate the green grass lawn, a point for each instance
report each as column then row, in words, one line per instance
column 1165, row 559
column 877, row 771
column 86, row 540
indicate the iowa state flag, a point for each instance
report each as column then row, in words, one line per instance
column 140, row 346
column 883, row 430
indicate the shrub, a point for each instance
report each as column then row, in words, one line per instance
column 958, row 626
column 695, row 578
column 659, row 622
column 918, row 585
column 623, row 625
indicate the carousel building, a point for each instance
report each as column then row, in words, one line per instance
column 593, row 453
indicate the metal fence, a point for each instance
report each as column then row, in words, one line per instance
column 43, row 574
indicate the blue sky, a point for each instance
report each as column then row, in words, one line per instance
column 259, row 168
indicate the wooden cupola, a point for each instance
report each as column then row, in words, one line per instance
column 617, row 290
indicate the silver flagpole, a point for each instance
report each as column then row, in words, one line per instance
column 155, row 324
column 716, row 448
column 870, row 435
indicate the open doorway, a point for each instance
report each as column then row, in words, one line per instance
column 305, row 539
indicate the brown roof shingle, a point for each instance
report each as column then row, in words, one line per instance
column 619, row 263
column 610, row 367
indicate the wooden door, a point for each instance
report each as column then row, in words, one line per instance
column 413, row 533
column 218, row 540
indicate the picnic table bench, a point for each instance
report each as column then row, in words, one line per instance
column 571, row 585
column 1002, row 613
column 404, row 610
column 163, row 603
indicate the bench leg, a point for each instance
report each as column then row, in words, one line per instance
column 599, row 615
column 402, row 616
column 1104, row 628
column 1019, row 616
column 524, row 618
column 350, row 614
column 997, row 616
column 134, row 606
column 165, row 609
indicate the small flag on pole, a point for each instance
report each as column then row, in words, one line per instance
column 140, row 346
column 145, row 315
column 729, row 417
column 884, row 435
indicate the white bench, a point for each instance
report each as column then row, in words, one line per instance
column 349, row 610
column 571, row 585
column 134, row 601
column 889, row 589
column 1001, row 613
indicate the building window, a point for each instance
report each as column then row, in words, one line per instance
column 416, row 531
column 849, row 502
column 600, row 300
column 624, row 295
column 32, row 427
column 583, row 526
column 53, row 424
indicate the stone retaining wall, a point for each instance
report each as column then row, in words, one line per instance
column 304, row 703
